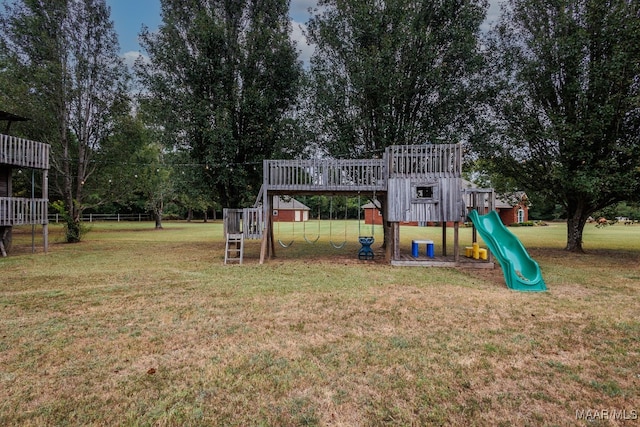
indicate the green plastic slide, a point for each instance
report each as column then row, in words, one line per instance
column 520, row 271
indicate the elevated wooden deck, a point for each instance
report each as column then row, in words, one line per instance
column 22, row 152
column 21, row 211
column 413, row 162
column 324, row 175
column 425, row 161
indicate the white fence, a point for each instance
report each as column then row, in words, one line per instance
column 93, row 217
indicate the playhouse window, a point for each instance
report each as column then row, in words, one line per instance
column 424, row 192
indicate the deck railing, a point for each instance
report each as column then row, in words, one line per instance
column 325, row 175
column 21, row 211
column 23, row 152
column 415, row 161
column 248, row 221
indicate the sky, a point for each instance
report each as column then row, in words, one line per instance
column 130, row 15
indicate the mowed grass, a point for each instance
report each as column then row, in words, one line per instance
column 138, row 327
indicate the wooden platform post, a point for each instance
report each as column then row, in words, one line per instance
column 456, row 243
column 444, row 238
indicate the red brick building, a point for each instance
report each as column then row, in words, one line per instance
column 288, row 209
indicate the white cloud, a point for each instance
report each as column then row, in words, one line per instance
column 131, row 57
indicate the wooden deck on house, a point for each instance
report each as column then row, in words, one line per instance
column 22, row 152
column 21, row 211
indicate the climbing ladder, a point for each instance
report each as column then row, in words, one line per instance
column 234, row 250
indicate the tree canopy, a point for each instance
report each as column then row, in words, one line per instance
column 222, row 79
column 393, row 72
column 63, row 62
column 565, row 105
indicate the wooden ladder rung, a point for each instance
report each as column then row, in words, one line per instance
column 234, row 248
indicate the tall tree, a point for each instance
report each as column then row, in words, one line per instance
column 393, row 72
column 63, row 57
column 222, row 78
column 388, row 72
column 566, row 104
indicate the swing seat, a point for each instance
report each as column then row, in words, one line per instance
column 365, row 251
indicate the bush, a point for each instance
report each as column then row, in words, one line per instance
column 73, row 230
column 528, row 224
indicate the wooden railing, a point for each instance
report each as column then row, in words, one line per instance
column 20, row 211
column 324, row 175
column 23, row 152
column 415, row 161
column 248, row 221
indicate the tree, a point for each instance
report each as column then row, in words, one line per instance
column 221, row 79
column 63, row 59
column 565, row 80
column 393, row 72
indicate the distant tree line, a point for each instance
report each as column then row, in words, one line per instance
column 547, row 101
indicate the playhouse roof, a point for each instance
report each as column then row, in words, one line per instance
column 372, row 205
column 288, row 203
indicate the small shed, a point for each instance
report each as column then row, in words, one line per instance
column 372, row 213
column 288, row 209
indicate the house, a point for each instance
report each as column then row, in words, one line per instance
column 513, row 208
column 373, row 214
column 288, row 209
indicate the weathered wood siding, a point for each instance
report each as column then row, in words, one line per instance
column 248, row 221
column 425, row 183
column 445, row 204
column 23, row 152
column 21, row 211
column 428, row 160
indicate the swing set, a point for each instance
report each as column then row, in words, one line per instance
column 366, row 241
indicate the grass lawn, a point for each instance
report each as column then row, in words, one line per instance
column 138, row 327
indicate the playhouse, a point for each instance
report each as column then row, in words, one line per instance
column 413, row 183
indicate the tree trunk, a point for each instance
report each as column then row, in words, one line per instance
column 575, row 227
column 158, row 217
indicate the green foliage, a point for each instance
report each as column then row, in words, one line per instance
column 222, row 79
column 622, row 209
column 64, row 71
column 74, row 229
column 565, row 103
column 396, row 72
